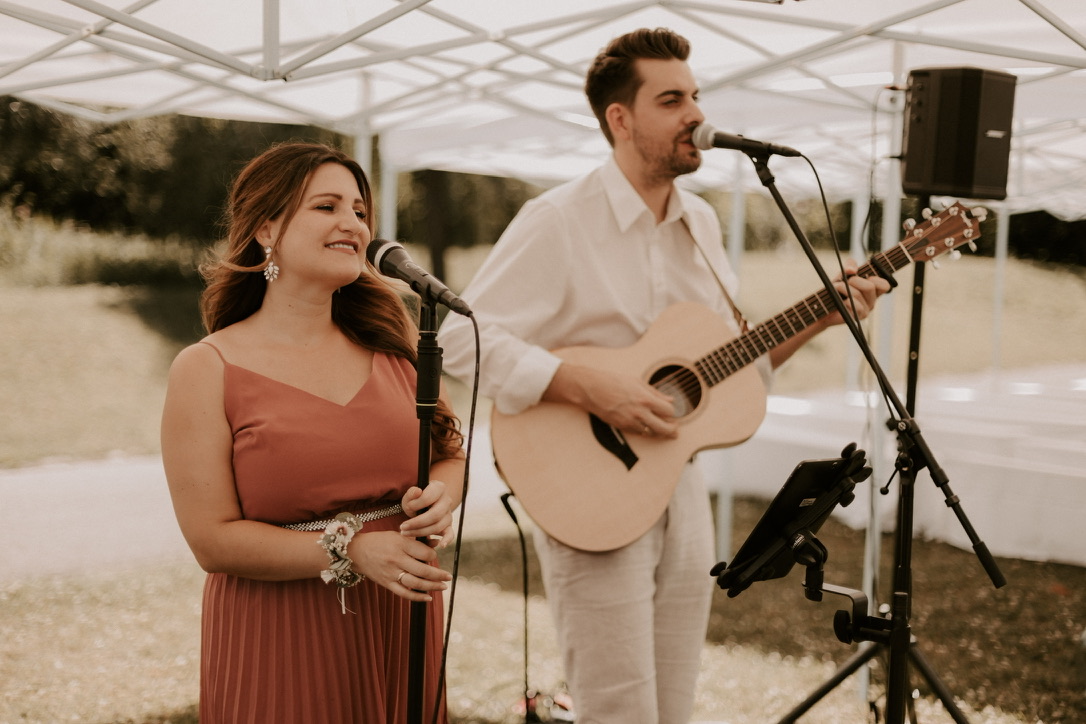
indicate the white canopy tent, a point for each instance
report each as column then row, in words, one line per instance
column 495, row 86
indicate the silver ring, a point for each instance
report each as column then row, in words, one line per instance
column 399, row 578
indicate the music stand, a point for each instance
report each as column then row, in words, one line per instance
column 785, row 534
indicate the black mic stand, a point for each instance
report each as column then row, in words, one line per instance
column 428, row 386
column 914, row 455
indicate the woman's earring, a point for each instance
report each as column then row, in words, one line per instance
column 271, row 269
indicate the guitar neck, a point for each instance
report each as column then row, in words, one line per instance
column 716, row 366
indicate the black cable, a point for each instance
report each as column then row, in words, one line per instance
column 840, row 263
column 460, row 528
column 530, row 714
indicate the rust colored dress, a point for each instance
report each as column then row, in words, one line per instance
column 285, row 651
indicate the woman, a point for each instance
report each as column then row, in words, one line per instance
column 297, row 407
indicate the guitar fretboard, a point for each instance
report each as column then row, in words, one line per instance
column 953, row 226
column 728, row 359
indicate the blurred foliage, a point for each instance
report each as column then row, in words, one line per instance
column 440, row 209
column 1041, row 236
column 37, row 251
column 1034, row 235
column 165, row 178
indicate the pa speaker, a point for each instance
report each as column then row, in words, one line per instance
column 957, row 130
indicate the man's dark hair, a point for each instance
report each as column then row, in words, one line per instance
column 613, row 77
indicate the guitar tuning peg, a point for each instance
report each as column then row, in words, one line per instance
column 934, row 264
column 979, row 213
column 955, row 254
column 972, row 245
column 926, row 213
column 908, row 224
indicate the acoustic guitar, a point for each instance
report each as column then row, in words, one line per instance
column 596, row 488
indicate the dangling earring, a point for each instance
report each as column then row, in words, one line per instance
column 271, row 269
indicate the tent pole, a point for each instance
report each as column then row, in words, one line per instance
column 999, row 289
column 271, row 37
column 387, row 209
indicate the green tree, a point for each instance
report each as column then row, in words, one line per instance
column 441, row 209
column 162, row 176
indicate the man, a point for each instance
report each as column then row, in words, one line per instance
column 594, row 262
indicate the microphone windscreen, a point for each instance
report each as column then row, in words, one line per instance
column 703, row 136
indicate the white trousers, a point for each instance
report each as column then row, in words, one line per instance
column 631, row 622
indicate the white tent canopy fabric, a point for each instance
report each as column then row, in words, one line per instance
column 495, row 86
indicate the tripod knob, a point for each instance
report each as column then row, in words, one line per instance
column 842, row 627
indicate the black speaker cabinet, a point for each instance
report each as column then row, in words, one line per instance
column 957, row 135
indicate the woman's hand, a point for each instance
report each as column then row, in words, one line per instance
column 430, row 513
column 401, row 564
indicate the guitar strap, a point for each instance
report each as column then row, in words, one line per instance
column 740, row 320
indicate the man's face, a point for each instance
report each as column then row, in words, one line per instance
column 664, row 113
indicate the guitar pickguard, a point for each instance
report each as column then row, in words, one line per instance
column 679, row 383
column 613, row 441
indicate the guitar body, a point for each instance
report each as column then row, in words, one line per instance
column 598, row 489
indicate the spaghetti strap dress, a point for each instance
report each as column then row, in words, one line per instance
column 285, row 651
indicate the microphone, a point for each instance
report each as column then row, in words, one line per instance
column 392, row 260
column 706, row 137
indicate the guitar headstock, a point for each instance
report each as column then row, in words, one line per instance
column 945, row 231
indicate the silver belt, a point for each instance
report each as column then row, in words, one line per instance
column 315, row 525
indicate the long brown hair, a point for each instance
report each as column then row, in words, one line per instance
column 369, row 311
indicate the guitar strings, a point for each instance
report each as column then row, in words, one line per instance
column 720, row 364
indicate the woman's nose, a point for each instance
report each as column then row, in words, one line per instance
column 351, row 223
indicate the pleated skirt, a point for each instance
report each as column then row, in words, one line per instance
column 286, row 652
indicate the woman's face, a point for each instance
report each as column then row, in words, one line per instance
column 326, row 238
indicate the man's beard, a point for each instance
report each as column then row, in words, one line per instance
column 684, row 163
column 669, row 164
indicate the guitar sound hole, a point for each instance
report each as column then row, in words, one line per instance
column 681, row 385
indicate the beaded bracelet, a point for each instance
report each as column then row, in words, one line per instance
column 334, row 541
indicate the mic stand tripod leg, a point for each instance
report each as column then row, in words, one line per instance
column 866, row 652
column 863, row 656
column 849, row 627
column 937, row 686
column 901, row 643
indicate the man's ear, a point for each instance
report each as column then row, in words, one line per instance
column 618, row 120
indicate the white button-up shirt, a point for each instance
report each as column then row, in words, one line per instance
column 584, row 263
